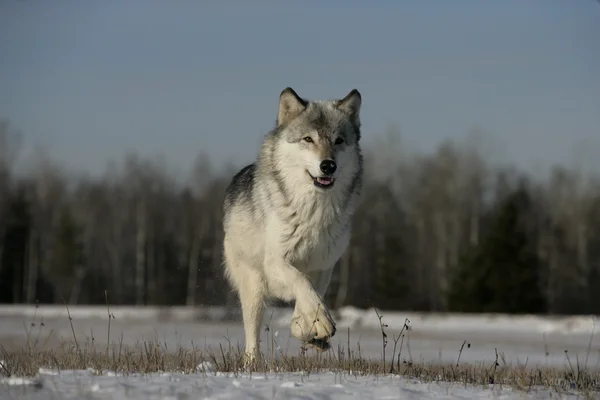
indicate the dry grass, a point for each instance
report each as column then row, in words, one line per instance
column 148, row 357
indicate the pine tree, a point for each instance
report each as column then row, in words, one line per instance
column 66, row 255
column 501, row 274
column 390, row 289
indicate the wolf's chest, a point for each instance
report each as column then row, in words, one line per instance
column 315, row 247
column 316, row 234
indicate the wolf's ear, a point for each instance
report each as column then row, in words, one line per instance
column 350, row 104
column 290, row 106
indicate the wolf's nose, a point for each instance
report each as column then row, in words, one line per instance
column 328, row 167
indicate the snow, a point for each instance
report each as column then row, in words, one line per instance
column 97, row 385
column 432, row 338
column 530, row 340
column 205, row 366
column 348, row 317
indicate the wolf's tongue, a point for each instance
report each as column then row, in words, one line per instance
column 324, row 181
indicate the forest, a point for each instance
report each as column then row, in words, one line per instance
column 446, row 231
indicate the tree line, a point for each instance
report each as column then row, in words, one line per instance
column 440, row 231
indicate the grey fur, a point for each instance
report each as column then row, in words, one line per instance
column 286, row 224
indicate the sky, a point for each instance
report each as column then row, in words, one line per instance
column 90, row 81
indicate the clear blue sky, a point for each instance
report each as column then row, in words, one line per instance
column 91, row 80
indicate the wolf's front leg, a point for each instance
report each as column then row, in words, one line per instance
column 311, row 319
column 312, row 323
column 251, row 294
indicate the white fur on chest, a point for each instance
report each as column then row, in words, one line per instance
column 314, row 235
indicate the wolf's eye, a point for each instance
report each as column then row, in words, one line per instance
column 307, row 139
column 339, row 140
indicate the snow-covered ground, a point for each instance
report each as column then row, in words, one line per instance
column 528, row 340
column 432, row 338
column 51, row 384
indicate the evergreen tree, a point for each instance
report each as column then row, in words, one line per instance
column 67, row 254
column 501, row 274
column 14, row 249
column 390, row 283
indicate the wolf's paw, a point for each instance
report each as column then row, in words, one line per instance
column 312, row 324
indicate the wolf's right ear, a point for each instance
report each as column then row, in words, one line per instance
column 290, row 106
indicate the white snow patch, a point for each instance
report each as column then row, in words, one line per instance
column 17, row 381
column 48, row 371
column 205, row 366
column 290, row 384
column 113, row 373
column 333, row 386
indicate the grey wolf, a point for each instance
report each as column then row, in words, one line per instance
column 287, row 216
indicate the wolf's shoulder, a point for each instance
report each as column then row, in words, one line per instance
column 241, row 184
column 245, row 176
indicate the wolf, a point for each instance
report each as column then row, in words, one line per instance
column 287, row 216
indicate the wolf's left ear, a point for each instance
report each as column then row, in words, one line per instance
column 350, row 104
column 290, row 106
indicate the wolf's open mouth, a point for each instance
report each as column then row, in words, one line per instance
column 324, row 182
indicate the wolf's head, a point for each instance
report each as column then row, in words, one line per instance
column 316, row 142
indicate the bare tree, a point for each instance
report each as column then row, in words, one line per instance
column 149, row 237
